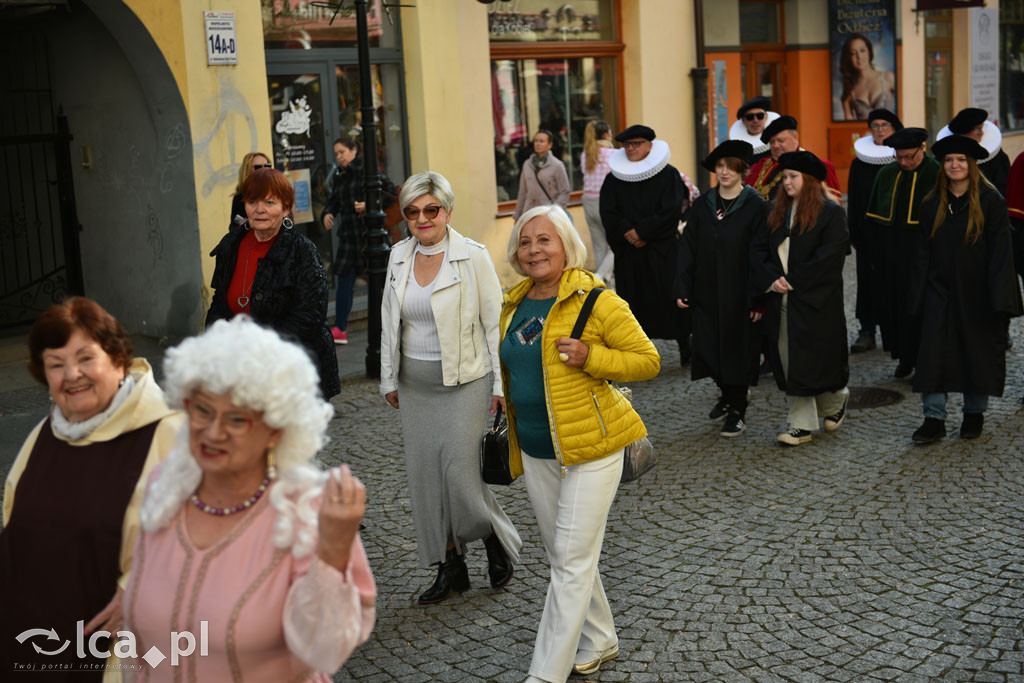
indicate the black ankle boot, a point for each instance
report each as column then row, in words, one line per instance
column 452, row 575
column 499, row 567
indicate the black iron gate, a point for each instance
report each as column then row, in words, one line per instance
column 40, row 261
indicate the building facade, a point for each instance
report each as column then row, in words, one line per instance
column 122, row 131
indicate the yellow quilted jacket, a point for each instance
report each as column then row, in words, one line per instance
column 589, row 418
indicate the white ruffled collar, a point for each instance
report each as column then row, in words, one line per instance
column 991, row 139
column 73, row 431
column 738, row 131
column 870, row 153
column 648, row 167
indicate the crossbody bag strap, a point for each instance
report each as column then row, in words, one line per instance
column 588, row 306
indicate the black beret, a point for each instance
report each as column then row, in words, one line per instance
column 777, row 126
column 906, row 138
column 803, row 161
column 966, row 119
column 886, row 115
column 754, row 103
column 958, row 144
column 741, row 149
column 636, row 131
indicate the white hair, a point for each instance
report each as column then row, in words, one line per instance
column 575, row 250
column 264, row 373
column 428, row 182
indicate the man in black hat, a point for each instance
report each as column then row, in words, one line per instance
column 751, row 119
column 892, row 213
column 765, row 176
column 872, row 155
column 974, row 123
column 641, row 205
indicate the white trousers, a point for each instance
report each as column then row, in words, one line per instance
column 604, row 259
column 571, row 514
column 804, row 411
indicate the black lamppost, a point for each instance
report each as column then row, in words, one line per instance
column 377, row 243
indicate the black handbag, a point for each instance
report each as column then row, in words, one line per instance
column 639, row 456
column 495, row 467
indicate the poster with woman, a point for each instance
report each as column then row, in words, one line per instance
column 863, row 57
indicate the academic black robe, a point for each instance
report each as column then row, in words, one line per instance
column 997, row 171
column 714, row 275
column 894, row 210
column 816, row 320
column 864, row 237
column 644, row 276
column 965, row 295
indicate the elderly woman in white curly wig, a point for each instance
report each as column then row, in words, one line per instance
column 246, row 545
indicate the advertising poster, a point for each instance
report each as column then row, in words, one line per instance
column 863, row 57
column 985, row 60
column 303, row 211
column 719, row 108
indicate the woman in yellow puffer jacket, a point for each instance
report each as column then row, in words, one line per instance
column 568, row 426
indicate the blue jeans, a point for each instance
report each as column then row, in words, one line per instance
column 343, row 298
column 935, row 404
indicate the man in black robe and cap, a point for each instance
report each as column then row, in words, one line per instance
column 893, row 210
column 872, row 155
column 641, row 203
column 974, row 123
column 751, row 119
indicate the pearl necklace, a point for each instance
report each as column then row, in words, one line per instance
column 245, row 505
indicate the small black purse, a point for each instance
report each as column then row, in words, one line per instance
column 495, row 467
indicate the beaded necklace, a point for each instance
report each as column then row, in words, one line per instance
column 244, row 505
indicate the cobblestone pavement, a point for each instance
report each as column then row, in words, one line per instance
column 856, row 557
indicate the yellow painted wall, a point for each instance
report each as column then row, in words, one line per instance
column 911, row 78
column 228, row 106
column 659, row 55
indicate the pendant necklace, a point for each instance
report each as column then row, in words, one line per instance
column 243, row 300
column 726, row 205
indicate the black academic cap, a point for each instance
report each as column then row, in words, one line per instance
column 777, row 126
column 906, row 138
column 741, row 149
column 803, row 161
column 966, row 119
column 958, row 144
column 754, row 103
column 886, row 115
column 637, row 131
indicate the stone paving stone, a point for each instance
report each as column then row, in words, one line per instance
column 855, row 557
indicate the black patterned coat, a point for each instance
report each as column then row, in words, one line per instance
column 289, row 295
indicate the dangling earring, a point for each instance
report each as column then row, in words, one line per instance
column 287, row 223
column 271, row 467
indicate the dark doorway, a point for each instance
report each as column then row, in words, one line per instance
column 40, row 260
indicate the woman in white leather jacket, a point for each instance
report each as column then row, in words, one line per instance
column 439, row 357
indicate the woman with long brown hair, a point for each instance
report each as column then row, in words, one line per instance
column 798, row 262
column 965, row 289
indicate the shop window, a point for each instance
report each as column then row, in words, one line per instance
column 1011, row 48
column 553, row 66
column 304, row 25
column 760, row 22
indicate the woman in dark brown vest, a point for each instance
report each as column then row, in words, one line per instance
column 72, row 498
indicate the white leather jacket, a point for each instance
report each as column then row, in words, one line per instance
column 467, row 306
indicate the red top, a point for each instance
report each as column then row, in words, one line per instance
column 250, row 251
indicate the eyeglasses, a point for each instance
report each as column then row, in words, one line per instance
column 882, row 125
column 908, row 156
column 429, row 212
column 756, row 115
column 257, row 167
column 633, row 144
column 202, row 416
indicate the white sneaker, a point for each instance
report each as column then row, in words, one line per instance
column 589, row 661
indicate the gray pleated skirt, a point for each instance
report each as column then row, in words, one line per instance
column 442, row 427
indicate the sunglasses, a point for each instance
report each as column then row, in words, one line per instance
column 429, row 212
column 758, row 115
column 633, row 144
column 882, row 125
column 257, row 167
